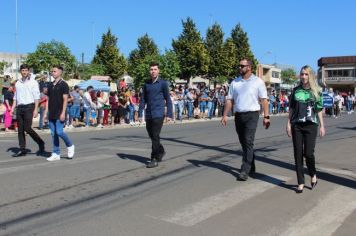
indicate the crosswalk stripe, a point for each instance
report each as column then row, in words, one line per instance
column 338, row 171
column 55, row 164
column 327, row 216
column 197, row 212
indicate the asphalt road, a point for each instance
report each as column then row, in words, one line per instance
column 106, row 189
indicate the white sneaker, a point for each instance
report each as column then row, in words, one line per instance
column 71, row 126
column 71, row 151
column 54, row 157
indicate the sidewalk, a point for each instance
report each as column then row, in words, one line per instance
column 123, row 126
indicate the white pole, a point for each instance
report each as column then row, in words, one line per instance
column 17, row 42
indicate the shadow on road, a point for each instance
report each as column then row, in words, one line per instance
column 132, row 157
column 348, row 128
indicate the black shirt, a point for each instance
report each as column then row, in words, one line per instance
column 9, row 96
column 55, row 99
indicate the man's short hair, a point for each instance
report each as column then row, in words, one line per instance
column 58, row 67
column 154, row 64
column 90, row 87
column 76, row 87
column 24, row 66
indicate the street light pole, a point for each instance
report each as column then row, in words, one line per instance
column 17, row 42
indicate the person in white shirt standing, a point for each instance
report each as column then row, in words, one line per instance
column 245, row 92
column 26, row 99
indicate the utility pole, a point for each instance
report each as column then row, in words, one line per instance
column 17, row 42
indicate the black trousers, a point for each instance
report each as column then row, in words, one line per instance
column 246, row 125
column 304, row 138
column 153, row 127
column 24, row 116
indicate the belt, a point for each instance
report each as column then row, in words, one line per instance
column 245, row 112
column 25, row 105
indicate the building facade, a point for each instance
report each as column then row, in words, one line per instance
column 338, row 73
column 11, row 59
column 271, row 75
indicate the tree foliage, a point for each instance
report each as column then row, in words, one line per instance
column 214, row 43
column 85, row 71
column 140, row 58
column 109, row 56
column 240, row 39
column 169, row 66
column 49, row 54
column 192, row 55
column 288, row 76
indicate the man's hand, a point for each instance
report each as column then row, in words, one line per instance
column 289, row 130
column 35, row 113
column 224, row 121
column 266, row 123
column 62, row 117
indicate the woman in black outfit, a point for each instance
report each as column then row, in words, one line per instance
column 305, row 115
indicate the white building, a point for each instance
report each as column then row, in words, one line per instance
column 11, row 59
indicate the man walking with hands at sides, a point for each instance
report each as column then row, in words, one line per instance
column 155, row 95
column 26, row 99
column 245, row 93
column 58, row 92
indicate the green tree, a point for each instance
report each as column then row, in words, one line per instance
column 229, row 62
column 52, row 53
column 85, row 71
column 169, row 66
column 109, row 56
column 3, row 64
column 240, row 38
column 288, row 76
column 140, row 58
column 192, row 55
column 214, row 43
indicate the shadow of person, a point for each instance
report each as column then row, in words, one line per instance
column 225, row 168
column 16, row 150
column 132, row 157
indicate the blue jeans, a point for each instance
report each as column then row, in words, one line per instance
column 202, row 107
column 87, row 111
column 56, row 127
column 271, row 108
column 190, row 109
column 132, row 112
column 42, row 110
column 180, row 107
column 210, row 109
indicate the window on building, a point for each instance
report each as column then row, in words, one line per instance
column 275, row 74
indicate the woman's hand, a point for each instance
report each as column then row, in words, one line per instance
column 322, row 131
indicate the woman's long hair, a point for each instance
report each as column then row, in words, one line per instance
column 312, row 81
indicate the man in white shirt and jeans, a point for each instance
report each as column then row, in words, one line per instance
column 26, row 99
column 245, row 94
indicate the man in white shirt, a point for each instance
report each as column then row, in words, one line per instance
column 26, row 99
column 246, row 92
column 87, row 105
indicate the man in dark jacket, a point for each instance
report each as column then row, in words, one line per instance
column 155, row 96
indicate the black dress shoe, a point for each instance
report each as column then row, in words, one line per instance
column 152, row 164
column 242, row 176
column 41, row 149
column 20, row 154
column 160, row 156
column 313, row 184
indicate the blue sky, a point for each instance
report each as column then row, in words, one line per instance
column 293, row 32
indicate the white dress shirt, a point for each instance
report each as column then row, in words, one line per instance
column 246, row 93
column 27, row 91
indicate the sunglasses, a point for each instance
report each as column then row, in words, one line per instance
column 242, row 66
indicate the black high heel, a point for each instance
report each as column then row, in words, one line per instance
column 299, row 190
column 313, row 184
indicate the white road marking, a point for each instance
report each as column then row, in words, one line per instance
column 338, row 171
column 327, row 216
column 213, row 205
column 125, row 149
column 56, row 163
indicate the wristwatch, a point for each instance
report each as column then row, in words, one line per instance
column 266, row 117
